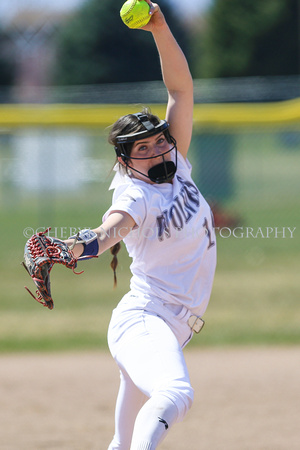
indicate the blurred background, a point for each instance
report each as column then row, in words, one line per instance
column 67, row 72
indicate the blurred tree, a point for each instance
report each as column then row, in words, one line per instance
column 94, row 46
column 249, row 38
column 6, row 64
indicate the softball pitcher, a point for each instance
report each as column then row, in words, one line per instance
column 167, row 228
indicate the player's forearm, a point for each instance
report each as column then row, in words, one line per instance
column 105, row 240
column 115, row 228
column 175, row 70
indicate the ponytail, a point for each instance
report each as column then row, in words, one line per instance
column 114, row 250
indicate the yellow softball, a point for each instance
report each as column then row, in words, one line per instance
column 135, row 13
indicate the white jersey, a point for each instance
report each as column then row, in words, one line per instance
column 173, row 246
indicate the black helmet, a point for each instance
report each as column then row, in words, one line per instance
column 162, row 172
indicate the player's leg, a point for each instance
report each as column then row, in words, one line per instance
column 152, row 357
column 129, row 401
column 153, row 422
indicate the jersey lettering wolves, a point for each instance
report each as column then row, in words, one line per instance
column 173, row 245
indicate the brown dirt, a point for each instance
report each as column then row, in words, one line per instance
column 245, row 399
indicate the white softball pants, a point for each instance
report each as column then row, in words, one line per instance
column 146, row 339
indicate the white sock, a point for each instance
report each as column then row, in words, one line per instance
column 153, row 423
column 145, row 446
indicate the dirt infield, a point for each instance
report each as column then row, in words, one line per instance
column 245, row 399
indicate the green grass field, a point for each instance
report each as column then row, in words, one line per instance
column 255, row 299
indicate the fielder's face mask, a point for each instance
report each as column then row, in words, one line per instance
column 161, row 172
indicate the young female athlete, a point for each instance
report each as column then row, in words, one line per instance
column 167, row 228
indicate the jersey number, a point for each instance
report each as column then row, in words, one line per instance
column 211, row 243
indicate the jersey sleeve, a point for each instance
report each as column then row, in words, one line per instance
column 130, row 200
column 184, row 163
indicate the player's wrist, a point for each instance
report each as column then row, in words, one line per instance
column 77, row 250
column 160, row 28
column 88, row 240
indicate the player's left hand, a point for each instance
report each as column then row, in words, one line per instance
column 40, row 254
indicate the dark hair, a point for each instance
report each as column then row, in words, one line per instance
column 114, row 250
column 129, row 124
column 126, row 125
